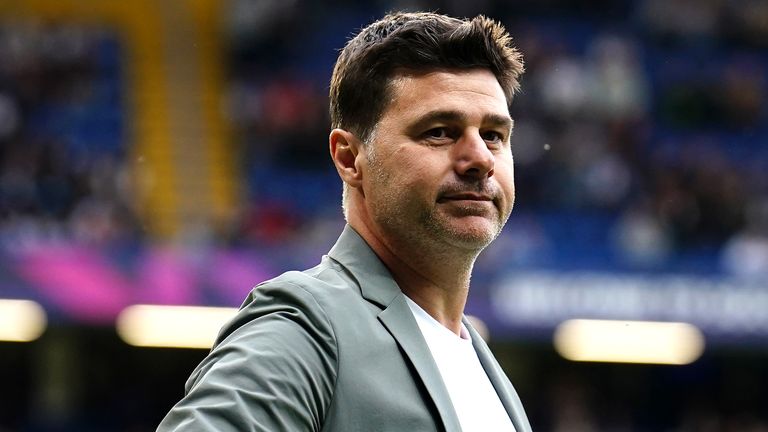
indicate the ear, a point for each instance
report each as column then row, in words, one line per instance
column 346, row 150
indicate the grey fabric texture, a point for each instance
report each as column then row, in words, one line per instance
column 332, row 348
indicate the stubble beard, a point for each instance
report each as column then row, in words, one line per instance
column 466, row 238
column 423, row 226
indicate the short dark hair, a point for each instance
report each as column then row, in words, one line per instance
column 414, row 42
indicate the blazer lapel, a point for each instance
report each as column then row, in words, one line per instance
column 357, row 258
column 377, row 286
column 399, row 320
column 504, row 389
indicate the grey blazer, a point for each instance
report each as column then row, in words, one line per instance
column 333, row 348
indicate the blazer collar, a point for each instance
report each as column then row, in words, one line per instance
column 377, row 286
column 374, row 279
column 400, row 322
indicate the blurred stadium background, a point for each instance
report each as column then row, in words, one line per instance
column 174, row 153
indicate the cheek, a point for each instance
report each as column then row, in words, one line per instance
column 416, row 169
column 505, row 175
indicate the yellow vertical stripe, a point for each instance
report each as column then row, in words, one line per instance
column 208, row 16
column 164, row 163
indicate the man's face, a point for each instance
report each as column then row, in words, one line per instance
column 439, row 164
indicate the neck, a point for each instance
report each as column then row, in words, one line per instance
column 436, row 277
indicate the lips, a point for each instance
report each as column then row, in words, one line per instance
column 464, row 196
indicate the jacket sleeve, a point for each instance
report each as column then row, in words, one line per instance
column 273, row 368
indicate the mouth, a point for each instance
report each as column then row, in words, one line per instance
column 464, row 196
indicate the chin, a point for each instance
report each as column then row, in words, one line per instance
column 473, row 236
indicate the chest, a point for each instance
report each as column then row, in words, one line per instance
column 378, row 388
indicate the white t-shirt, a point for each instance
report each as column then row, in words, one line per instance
column 474, row 398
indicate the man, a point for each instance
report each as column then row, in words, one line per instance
column 374, row 338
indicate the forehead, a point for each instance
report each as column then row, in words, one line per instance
column 475, row 92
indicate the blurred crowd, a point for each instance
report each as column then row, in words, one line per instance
column 641, row 143
column 640, row 135
column 63, row 173
column 658, row 128
column 645, row 118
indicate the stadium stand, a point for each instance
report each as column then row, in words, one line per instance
column 161, row 154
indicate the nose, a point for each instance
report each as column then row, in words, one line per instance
column 472, row 157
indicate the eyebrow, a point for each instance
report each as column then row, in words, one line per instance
column 451, row 116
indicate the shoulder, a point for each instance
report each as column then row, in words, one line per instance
column 280, row 343
column 306, row 298
column 326, row 279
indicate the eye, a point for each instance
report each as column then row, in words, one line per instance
column 492, row 136
column 438, row 132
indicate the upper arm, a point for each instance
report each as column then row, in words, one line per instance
column 273, row 369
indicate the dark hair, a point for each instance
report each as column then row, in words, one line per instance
column 414, row 42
